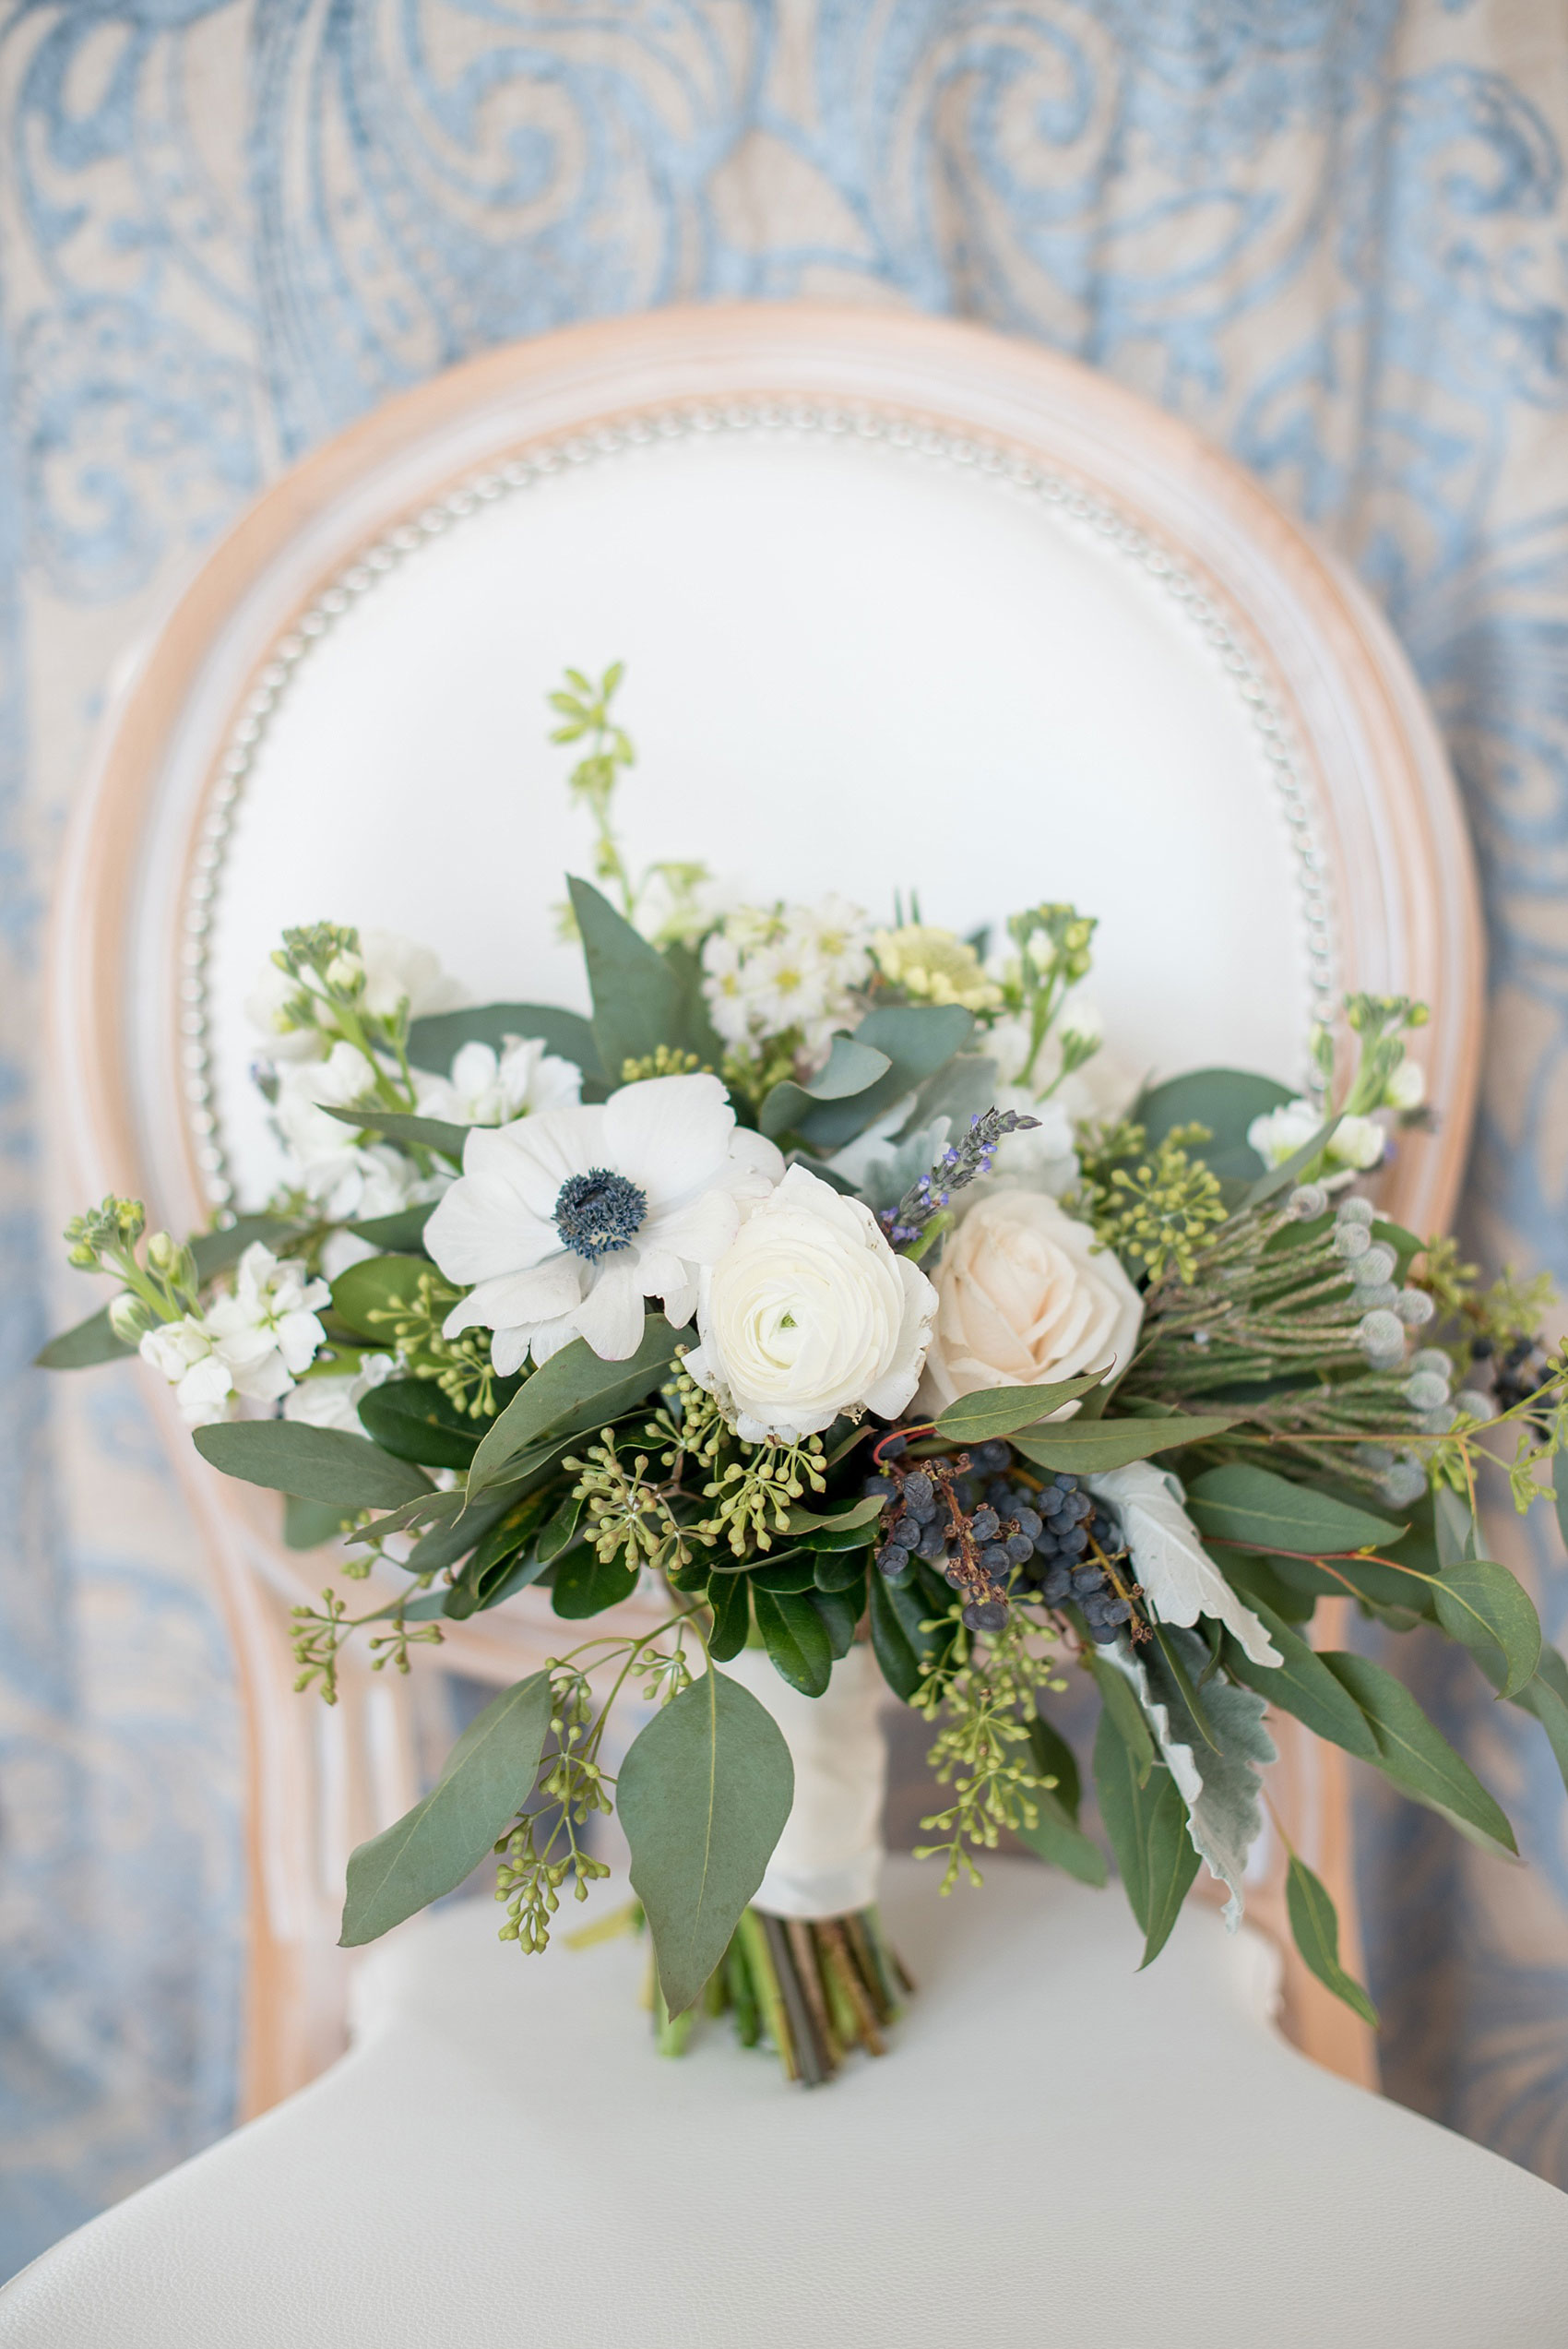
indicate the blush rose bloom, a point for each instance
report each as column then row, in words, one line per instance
column 808, row 1313
column 1022, row 1299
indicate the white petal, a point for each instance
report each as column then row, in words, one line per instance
column 611, row 1316
column 700, row 1231
column 536, row 1294
column 481, row 1227
column 668, row 1135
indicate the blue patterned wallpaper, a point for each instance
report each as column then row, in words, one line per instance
column 1330, row 232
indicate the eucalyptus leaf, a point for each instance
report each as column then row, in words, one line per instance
column 839, row 1614
column 370, row 1296
column 1057, row 1838
column 1417, row 1756
column 842, row 1520
column 489, row 1776
column 795, row 1638
column 1120, row 1702
column 1457, row 1537
column 1146, row 1822
column 413, row 1420
column 308, row 1525
column 1226, row 1100
column 557, row 1535
column 897, row 1655
column 314, row 1463
column 1551, row 1709
column 585, row 1584
column 703, row 1795
column 435, row 1041
column 851, row 1068
column 1090, row 1447
column 401, row 1233
column 1302, row 1685
column 1490, row 1612
column 572, row 1393
column 839, row 1569
column 1316, row 1929
column 641, row 998
column 1290, row 1170
column 84, row 1345
column 1258, row 1511
column 731, row 1600
column 1560, row 1492
column 1002, row 1411
column 1054, row 1758
column 917, row 1039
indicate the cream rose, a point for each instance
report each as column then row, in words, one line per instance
column 1021, row 1298
column 808, row 1313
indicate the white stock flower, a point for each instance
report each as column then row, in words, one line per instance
column 490, row 1088
column 253, row 1342
column 565, row 1221
column 1356, row 1145
column 395, row 970
column 1023, row 1297
column 768, row 970
column 809, row 1314
column 1406, row 1087
column 332, row 1163
column 333, row 1402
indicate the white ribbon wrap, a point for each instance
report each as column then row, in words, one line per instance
column 828, row 1860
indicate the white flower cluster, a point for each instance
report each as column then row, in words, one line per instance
column 349, row 1174
column 1355, row 1147
column 1044, row 1158
column 766, row 969
column 253, row 1342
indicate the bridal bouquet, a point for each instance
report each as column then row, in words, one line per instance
column 828, row 1289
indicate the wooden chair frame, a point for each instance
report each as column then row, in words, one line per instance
column 1402, row 876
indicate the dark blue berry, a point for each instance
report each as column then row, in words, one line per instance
column 987, row 1614
column 894, row 1561
column 985, row 1525
column 1056, row 1586
column 891, row 1446
column 994, row 1557
column 919, row 1491
column 1116, row 1611
column 1066, row 1483
column 954, row 1574
column 1102, row 1634
column 906, row 1532
column 963, row 1493
column 1095, row 1609
column 883, row 1484
column 932, row 1544
column 1029, row 1523
column 1020, row 1549
column 1089, row 1578
column 992, row 1455
column 1075, row 1543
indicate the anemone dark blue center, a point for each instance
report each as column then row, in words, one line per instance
column 599, row 1212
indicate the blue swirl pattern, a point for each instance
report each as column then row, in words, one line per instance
column 1332, row 237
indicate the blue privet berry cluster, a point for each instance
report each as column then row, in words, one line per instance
column 961, row 1163
column 989, row 1535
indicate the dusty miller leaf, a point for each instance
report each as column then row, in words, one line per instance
column 1169, row 1557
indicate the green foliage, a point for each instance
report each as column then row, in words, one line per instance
column 566, row 1396
column 1224, row 1101
column 584, row 1583
column 585, row 709
column 400, row 1302
column 403, row 1127
column 795, row 1637
column 434, row 1042
column 1002, row 1411
column 853, row 1067
column 1303, row 1684
column 1418, row 1758
column 642, row 998
column 1256, row 1509
column 703, row 1794
column 1146, row 1822
column 916, row 1039
column 981, row 1697
column 1316, row 1930
column 413, row 1419
column 1155, row 1207
column 1487, row 1611
column 488, row 1777
column 532, row 1873
column 315, row 1463
column 1087, row 1448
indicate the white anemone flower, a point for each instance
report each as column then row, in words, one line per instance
column 563, row 1223
column 490, row 1088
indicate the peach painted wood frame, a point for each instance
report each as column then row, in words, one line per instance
column 1402, row 884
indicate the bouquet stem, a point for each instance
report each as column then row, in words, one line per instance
column 816, row 1988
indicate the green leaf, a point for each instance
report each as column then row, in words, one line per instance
column 1001, row 1410
column 307, row 1525
column 402, row 1126
column 369, row 1295
column 1417, row 1756
column 585, row 1584
column 413, row 1420
column 315, row 1464
column 1146, row 1822
column 1316, row 1928
column 1226, row 1100
column 851, row 1068
column 730, row 1597
column 1259, row 1577
column 434, row 1042
column 791, row 1572
column 1057, row 1838
column 1127, row 1713
column 456, row 1532
column 917, row 1039
column 839, row 1613
column 1560, row 1490
column 840, row 1570
column 703, row 1795
column 401, row 1235
column 1086, row 1447
column 795, row 1638
column 92, row 1340
column 695, row 1030
column 1550, row 1706
column 556, row 1536
column 897, row 1656
column 1455, row 1528
column 1487, row 1611
column 1258, row 1511
column 572, row 1393
column 489, row 1776
column 1302, row 1685
column 1054, row 1758
column 844, row 1521
column 637, row 996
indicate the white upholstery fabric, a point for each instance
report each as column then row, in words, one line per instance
column 1058, row 2151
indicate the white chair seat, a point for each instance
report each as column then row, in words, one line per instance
column 1058, row 2149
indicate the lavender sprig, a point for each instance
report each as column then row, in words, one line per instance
column 960, row 1164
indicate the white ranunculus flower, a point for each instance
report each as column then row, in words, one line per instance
column 565, row 1221
column 490, row 1088
column 808, row 1314
column 1023, row 1297
column 253, row 1342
